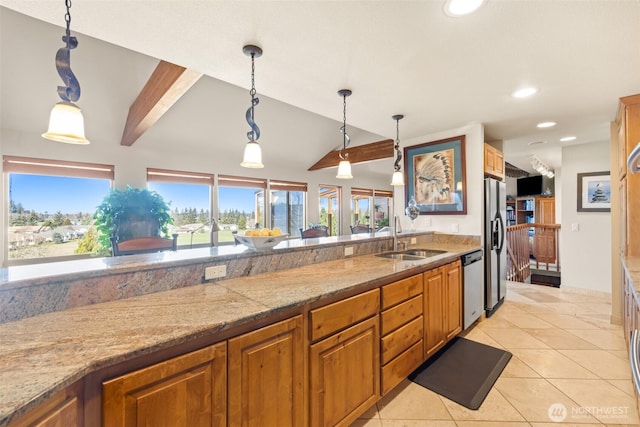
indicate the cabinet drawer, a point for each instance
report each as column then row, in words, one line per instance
column 398, row 369
column 401, row 339
column 339, row 315
column 397, row 316
column 402, row 290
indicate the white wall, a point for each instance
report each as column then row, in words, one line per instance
column 585, row 254
column 471, row 223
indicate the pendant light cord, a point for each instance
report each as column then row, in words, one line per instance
column 396, row 165
column 254, row 133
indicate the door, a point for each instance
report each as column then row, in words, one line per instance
column 345, row 375
column 491, row 236
column 453, row 299
column 434, row 284
column 266, row 376
column 186, row 391
column 501, row 249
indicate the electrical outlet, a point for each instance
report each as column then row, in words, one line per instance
column 575, row 227
column 413, row 240
column 215, row 272
column 454, row 228
column 348, row 250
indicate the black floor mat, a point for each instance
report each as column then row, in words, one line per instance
column 463, row 371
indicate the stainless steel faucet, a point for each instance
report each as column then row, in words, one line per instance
column 397, row 228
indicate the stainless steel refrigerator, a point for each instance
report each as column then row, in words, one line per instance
column 495, row 248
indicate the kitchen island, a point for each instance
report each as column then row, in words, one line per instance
column 83, row 347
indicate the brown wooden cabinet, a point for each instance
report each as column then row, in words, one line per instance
column 344, row 366
column 434, row 336
column 453, row 299
column 493, row 162
column 442, row 306
column 628, row 122
column 188, row 390
column 402, row 330
column 63, row 409
column 357, row 349
column 544, row 241
column 266, row 376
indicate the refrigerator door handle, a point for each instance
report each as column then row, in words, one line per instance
column 500, row 221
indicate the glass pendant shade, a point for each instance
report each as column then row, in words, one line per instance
column 66, row 124
column 397, row 178
column 252, row 156
column 344, row 170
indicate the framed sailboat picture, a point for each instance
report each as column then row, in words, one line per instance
column 435, row 176
column 594, row 192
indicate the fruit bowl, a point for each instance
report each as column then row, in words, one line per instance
column 260, row 242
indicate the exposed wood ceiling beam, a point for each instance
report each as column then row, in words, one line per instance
column 361, row 153
column 167, row 84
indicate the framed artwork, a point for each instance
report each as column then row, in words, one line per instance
column 435, row 176
column 594, row 192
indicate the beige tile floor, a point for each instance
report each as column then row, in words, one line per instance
column 565, row 352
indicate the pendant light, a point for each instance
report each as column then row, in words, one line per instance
column 66, row 123
column 344, row 168
column 398, row 178
column 252, row 151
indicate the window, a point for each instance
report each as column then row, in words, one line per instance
column 51, row 207
column 361, row 199
column 188, row 194
column 287, row 201
column 370, row 208
column 240, row 205
column 382, row 207
column 330, row 208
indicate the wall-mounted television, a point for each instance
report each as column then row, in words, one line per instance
column 529, row 186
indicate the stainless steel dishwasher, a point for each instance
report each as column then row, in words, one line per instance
column 473, row 287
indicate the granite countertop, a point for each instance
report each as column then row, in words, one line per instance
column 43, row 354
column 632, row 266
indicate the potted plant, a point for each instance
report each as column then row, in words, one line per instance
column 131, row 213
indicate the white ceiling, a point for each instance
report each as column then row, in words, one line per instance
column 397, row 56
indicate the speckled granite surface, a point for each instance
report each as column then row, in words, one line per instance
column 42, row 354
column 632, row 268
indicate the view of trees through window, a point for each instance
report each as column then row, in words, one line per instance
column 52, row 216
column 330, row 208
column 190, row 206
column 51, row 211
column 287, row 211
column 241, row 206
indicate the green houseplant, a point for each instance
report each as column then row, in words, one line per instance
column 130, row 213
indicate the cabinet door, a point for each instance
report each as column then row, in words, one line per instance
column 187, row 391
column 453, row 295
column 499, row 164
column 345, row 375
column 266, row 370
column 434, row 281
column 545, row 210
column 489, row 159
column 63, row 409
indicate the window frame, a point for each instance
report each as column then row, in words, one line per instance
column 169, row 176
column 47, row 167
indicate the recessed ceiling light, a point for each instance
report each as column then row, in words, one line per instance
column 457, row 8
column 525, row 92
column 567, row 138
column 537, row 142
column 546, row 124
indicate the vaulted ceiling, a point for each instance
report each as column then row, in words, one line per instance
column 397, row 56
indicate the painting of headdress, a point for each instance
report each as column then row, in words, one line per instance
column 435, row 176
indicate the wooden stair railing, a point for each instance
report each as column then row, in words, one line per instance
column 542, row 249
column 518, row 266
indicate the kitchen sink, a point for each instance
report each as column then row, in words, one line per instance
column 411, row 254
column 424, row 253
column 400, row 256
